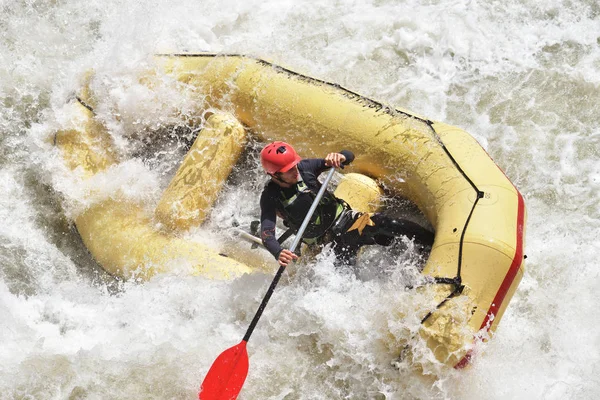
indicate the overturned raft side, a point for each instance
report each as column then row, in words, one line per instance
column 478, row 214
column 120, row 233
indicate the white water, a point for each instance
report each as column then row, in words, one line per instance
column 522, row 76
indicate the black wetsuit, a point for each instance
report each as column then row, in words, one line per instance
column 332, row 219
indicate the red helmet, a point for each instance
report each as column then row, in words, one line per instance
column 278, row 157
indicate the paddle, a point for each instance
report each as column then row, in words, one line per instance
column 226, row 376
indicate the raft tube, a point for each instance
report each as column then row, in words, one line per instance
column 121, row 234
column 477, row 213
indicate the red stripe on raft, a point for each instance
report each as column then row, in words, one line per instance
column 508, row 280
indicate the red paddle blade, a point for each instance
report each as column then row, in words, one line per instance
column 226, row 376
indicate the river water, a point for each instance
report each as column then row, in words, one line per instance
column 523, row 77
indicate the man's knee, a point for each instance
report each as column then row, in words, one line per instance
column 384, row 240
column 397, row 227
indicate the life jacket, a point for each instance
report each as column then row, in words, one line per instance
column 294, row 211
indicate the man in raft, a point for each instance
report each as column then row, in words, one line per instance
column 290, row 193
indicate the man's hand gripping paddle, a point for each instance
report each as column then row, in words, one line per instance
column 226, row 376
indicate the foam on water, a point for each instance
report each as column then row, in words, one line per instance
column 522, row 76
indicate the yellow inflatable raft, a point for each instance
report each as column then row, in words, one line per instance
column 478, row 214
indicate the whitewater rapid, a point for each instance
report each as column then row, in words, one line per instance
column 523, row 77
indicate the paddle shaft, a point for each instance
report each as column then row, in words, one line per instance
column 295, row 243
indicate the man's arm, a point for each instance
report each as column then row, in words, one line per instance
column 340, row 159
column 318, row 165
column 268, row 218
column 349, row 156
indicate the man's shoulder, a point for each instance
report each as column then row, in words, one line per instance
column 269, row 189
column 311, row 164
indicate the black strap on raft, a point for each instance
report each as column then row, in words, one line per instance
column 458, row 288
column 286, row 235
column 255, row 226
column 457, row 280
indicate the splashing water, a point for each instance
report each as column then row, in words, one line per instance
column 523, row 77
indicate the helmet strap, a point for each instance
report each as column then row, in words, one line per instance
column 278, row 181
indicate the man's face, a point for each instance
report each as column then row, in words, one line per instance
column 288, row 178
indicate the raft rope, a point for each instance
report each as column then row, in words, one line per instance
column 277, row 68
column 457, row 280
column 83, row 103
